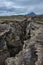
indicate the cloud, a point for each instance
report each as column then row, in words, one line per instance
column 11, row 7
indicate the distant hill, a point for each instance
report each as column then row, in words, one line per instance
column 31, row 14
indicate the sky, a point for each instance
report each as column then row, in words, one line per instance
column 20, row 7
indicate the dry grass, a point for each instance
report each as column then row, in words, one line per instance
column 12, row 18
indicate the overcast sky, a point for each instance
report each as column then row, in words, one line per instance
column 12, row 7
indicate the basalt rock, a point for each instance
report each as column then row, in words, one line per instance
column 14, row 38
column 21, row 43
column 32, row 53
column 39, row 47
column 4, row 54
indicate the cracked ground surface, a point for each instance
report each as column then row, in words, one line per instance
column 21, row 43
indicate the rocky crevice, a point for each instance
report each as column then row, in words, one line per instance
column 20, row 43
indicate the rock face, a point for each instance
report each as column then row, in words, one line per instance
column 13, row 38
column 3, row 47
column 21, row 43
column 39, row 47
